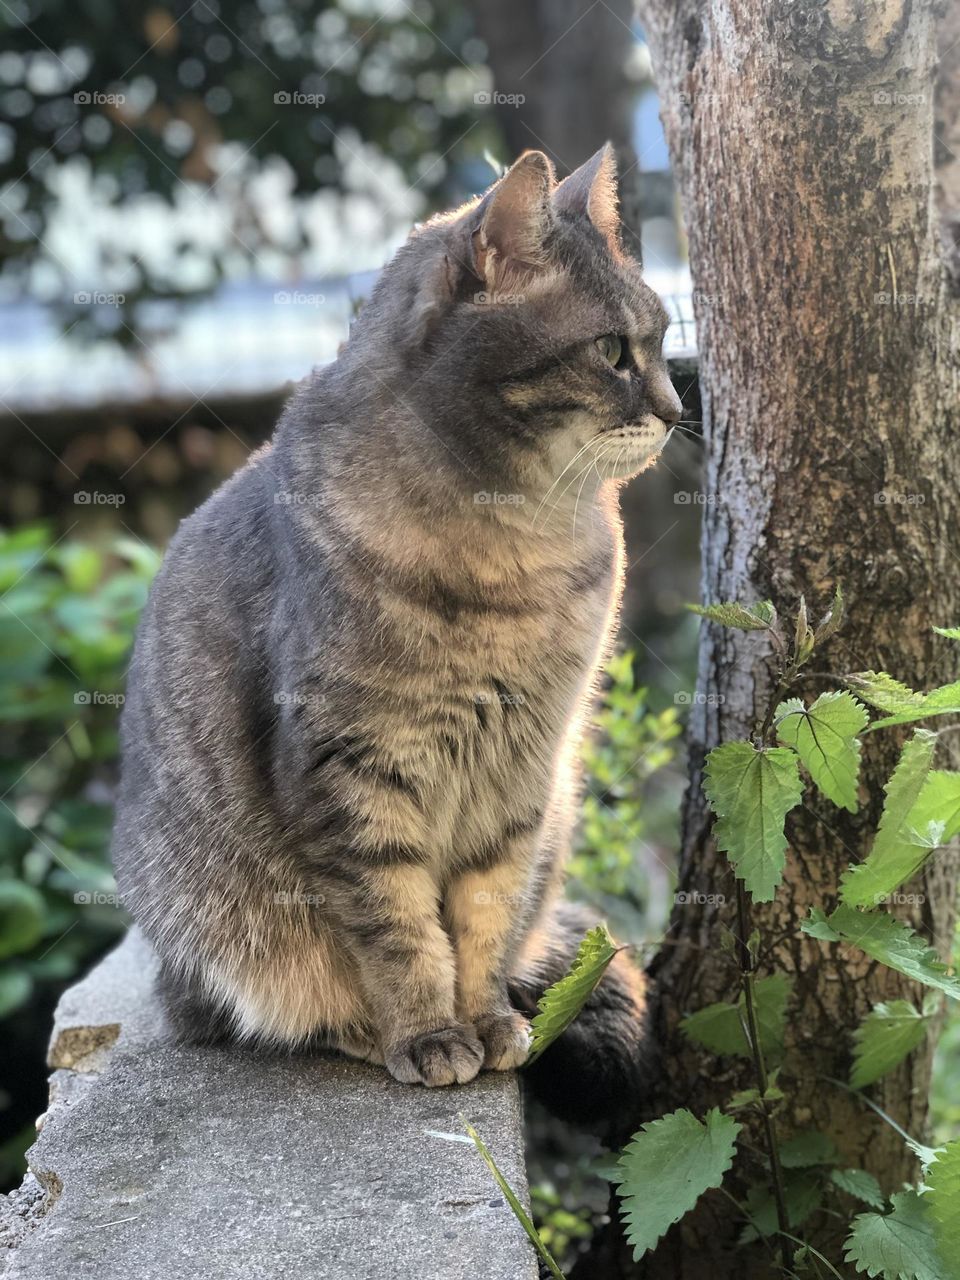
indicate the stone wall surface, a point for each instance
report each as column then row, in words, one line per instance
column 163, row 1162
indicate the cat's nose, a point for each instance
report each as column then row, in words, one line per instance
column 664, row 401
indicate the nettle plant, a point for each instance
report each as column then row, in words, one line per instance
column 751, row 786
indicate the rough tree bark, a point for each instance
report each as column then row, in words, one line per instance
column 801, row 133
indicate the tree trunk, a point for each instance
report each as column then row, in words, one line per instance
column 558, row 55
column 567, row 60
column 801, row 137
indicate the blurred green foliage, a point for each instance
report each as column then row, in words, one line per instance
column 560, row 1227
column 631, row 803
column 67, row 619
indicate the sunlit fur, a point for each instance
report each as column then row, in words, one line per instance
column 361, row 681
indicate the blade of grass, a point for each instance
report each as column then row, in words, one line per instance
column 519, row 1212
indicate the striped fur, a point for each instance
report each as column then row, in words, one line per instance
column 360, row 683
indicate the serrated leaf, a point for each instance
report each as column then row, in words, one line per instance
column 897, row 1245
column 886, row 939
column 944, row 701
column 883, row 692
column 818, row 926
column 667, row 1166
column 860, row 1184
column 896, row 855
column 803, row 1195
column 751, row 791
column 807, row 1149
column 719, row 1027
column 561, row 1003
column 952, row 633
column 824, row 736
column 903, row 704
column 888, row 1033
column 943, row 1206
column 753, row 617
column 606, row 1167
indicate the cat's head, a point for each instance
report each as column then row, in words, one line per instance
column 520, row 334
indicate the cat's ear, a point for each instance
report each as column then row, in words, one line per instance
column 511, row 223
column 591, row 191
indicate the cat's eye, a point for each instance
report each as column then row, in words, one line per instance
column 613, row 349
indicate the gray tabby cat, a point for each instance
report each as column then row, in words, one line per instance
column 351, row 735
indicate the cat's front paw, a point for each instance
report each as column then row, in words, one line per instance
column 448, row 1055
column 506, row 1040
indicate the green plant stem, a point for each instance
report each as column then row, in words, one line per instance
column 787, row 678
column 760, row 1066
column 817, row 1254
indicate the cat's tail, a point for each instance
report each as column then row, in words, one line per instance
column 598, row 1072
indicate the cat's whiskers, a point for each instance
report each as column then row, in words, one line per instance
column 576, row 505
column 598, row 457
column 576, row 476
column 579, row 452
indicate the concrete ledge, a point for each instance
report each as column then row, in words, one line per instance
column 170, row 1163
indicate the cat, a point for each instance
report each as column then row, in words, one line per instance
column 359, row 686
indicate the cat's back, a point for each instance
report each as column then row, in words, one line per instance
column 201, row 633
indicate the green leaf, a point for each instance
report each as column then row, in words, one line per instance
column 808, row 1149
column 561, row 1003
column 903, row 704
column 883, row 692
column 886, row 939
column 751, row 791
column 832, row 619
column 513, row 1200
column 935, row 818
column 750, row 1097
column 606, row 1167
column 944, row 701
column 884, row 1038
column 824, row 737
column 803, row 1195
column 897, row 1245
column 860, row 1184
column 22, row 912
column 896, row 854
column 753, row 617
column 943, row 1206
column 952, row 633
column 818, row 926
column 803, row 637
column 667, row 1166
column 719, row 1027
column 15, row 988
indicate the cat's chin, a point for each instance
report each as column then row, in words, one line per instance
column 633, row 447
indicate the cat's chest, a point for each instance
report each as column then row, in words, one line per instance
column 501, row 717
